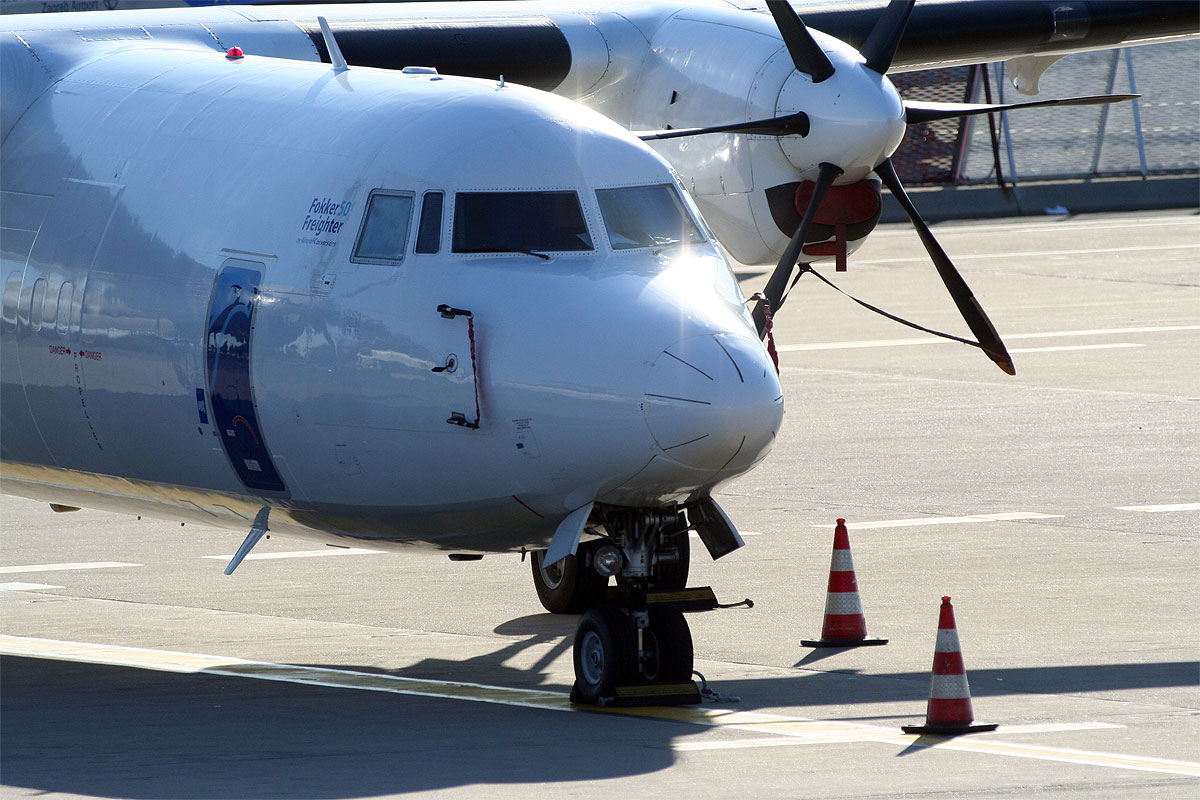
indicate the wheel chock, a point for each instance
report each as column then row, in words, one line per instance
column 656, row 694
column 700, row 598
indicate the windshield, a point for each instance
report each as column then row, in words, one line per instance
column 518, row 222
column 646, row 216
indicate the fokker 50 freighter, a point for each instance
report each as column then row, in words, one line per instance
column 249, row 284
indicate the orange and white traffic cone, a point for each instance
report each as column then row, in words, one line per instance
column 845, row 625
column 949, row 712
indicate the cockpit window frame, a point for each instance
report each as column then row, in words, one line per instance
column 408, row 231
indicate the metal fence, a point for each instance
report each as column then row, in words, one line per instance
column 1159, row 134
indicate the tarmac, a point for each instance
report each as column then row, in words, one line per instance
column 1059, row 508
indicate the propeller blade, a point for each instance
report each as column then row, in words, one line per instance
column 806, row 54
column 792, row 124
column 917, row 111
column 777, row 283
column 968, row 306
column 884, row 38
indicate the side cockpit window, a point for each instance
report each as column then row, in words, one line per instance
column 429, row 232
column 384, row 235
column 519, row 222
column 646, row 216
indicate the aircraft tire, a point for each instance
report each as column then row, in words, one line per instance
column 604, row 654
column 670, row 645
column 674, row 577
column 569, row 587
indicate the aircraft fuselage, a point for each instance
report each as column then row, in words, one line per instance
column 200, row 317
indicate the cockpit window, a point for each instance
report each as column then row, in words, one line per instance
column 384, row 234
column 519, row 222
column 646, row 216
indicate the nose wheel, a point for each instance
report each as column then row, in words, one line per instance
column 612, row 669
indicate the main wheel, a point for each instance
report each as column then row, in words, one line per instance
column 571, row 586
column 668, row 646
column 605, row 652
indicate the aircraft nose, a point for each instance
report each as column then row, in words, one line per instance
column 713, row 402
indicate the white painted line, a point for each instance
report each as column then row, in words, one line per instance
column 1075, row 347
column 1051, row 727
column 695, row 535
column 1161, row 509
column 786, row 348
column 1034, row 253
column 1005, row 516
column 65, row 567
column 1063, row 226
column 818, row 738
column 332, row 551
column 26, row 587
column 749, row 721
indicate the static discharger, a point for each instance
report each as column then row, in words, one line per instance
column 845, row 625
column 949, row 712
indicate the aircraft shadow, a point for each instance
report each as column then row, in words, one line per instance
column 106, row 731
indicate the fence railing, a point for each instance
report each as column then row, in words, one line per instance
column 1159, row 134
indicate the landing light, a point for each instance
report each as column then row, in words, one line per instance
column 608, row 560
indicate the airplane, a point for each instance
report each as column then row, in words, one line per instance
column 350, row 273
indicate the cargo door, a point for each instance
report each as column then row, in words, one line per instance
column 229, row 332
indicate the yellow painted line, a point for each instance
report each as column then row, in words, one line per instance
column 768, row 725
column 64, row 567
column 194, row 663
column 1071, row 756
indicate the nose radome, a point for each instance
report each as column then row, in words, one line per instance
column 713, row 402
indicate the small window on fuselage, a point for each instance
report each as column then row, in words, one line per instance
column 519, row 222
column 384, row 235
column 429, row 229
column 646, row 216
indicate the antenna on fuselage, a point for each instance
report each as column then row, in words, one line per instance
column 335, row 52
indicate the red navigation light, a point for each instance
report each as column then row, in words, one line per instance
column 234, row 53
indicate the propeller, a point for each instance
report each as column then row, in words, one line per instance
column 880, row 47
column 806, row 54
column 878, row 50
column 916, row 111
column 968, row 306
column 793, row 124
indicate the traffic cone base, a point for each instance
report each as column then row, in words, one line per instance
column 949, row 730
column 845, row 625
column 842, row 642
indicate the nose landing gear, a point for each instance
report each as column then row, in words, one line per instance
column 612, row 669
column 638, row 653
